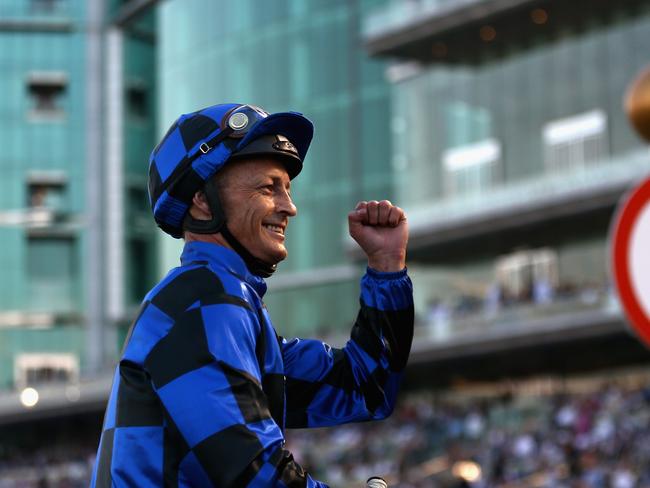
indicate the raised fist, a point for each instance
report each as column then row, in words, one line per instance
column 381, row 230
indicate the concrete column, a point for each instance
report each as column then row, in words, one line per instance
column 94, row 266
column 114, row 181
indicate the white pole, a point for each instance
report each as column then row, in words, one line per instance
column 114, row 182
column 93, row 136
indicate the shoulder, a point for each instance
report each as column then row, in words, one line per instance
column 218, row 297
column 183, row 287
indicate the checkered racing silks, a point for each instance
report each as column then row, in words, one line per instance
column 205, row 387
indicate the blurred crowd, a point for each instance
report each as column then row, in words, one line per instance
column 51, row 466
column 588, row 440
column 584, row 439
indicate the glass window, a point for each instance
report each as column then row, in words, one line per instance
column 573, row 142
column 46, row 196
column 46, row 91
column 137, row 101
column 52, row 273
column 527, row 276
column 45, row 6
column 138, row 200
column 140, row 245
column 325, row 311
column 512, row 287
column 139, row 271
column 46, row 191
column 472, row 168
column 39, row 368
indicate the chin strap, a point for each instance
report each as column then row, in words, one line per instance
column 255, row 265
column 218, row 224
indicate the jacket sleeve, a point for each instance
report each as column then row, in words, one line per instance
column 327, row 386
column 208, row 380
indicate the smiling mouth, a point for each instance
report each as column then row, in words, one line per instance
column 276, row 229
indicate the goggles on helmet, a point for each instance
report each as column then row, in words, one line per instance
column 242, row 118
column 235, row 124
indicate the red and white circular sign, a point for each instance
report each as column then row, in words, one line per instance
column 630, row 248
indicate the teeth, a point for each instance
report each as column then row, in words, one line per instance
column 274, row 228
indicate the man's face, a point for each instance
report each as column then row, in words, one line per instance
column 256, row 198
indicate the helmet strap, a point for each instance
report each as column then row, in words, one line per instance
column 254, row 265
column 218, row 224
column 218, row 220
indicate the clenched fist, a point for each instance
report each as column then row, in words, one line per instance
column 381, row 230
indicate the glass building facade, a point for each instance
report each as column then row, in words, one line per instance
column 550, row 109
column 42, row 189
column 510, row 150
column 138, row 86
column 47, row 283
column 303, row 56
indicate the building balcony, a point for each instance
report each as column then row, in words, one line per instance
column 56, row 400
column 447, row 226
column 400, row 16
column 474, row 328
column 38, row 16
column 578, row 328
column 555, row 340
column 467, row 31
column 39, row 319
column 518, row 206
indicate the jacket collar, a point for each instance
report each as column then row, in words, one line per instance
column 220, row 257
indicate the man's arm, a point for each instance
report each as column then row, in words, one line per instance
column 214, row 403
column 327, row 386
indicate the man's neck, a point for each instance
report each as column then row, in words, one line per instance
column 211, row 238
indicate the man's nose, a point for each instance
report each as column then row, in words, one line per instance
column 285, row 205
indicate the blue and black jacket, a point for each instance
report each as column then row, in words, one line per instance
column 205, row 387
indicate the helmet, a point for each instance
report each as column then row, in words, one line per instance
column 199, row 144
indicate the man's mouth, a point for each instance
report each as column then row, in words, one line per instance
column 277, row 229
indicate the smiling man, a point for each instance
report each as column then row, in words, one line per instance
column 206, row 388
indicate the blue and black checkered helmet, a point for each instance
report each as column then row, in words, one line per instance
column 197, row 145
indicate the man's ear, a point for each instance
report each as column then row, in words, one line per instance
column 200, row 208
